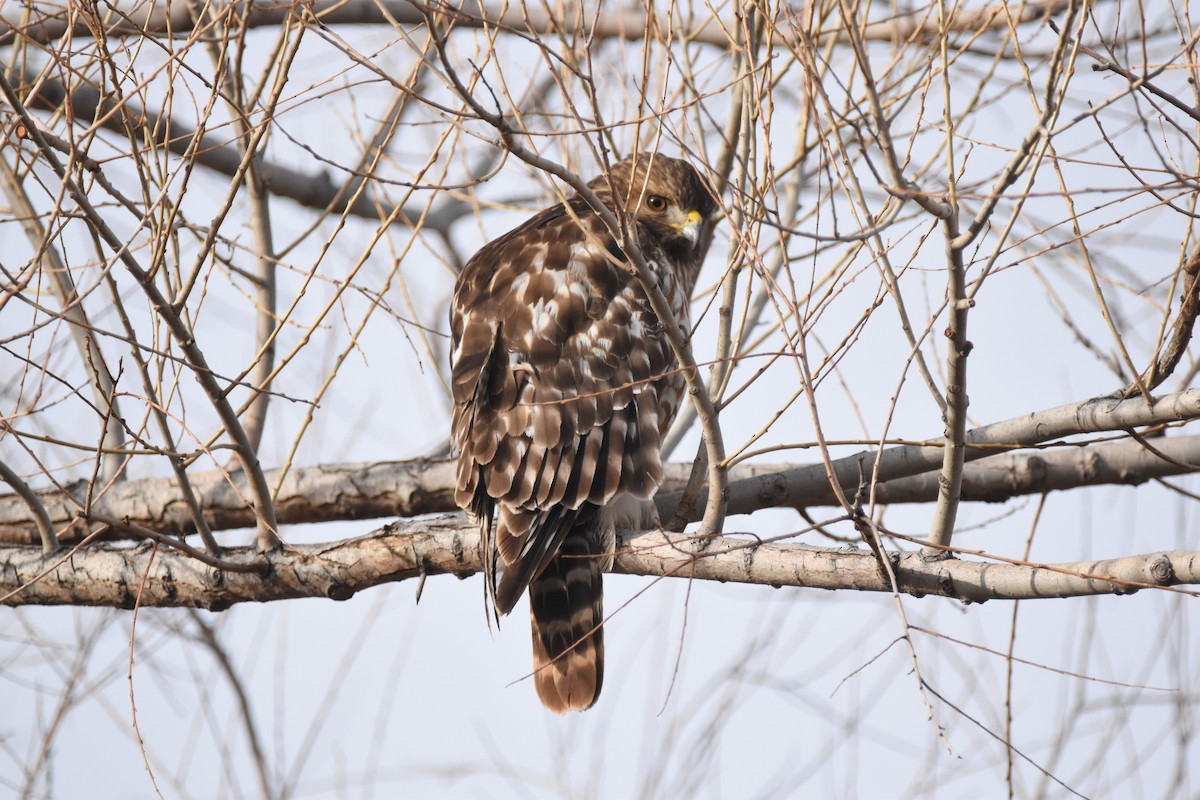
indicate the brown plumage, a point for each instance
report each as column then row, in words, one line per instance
column 563, row 388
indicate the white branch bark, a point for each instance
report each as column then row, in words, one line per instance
column 110, row 575
column 307, row 495
column 412, row 488
column 788, row 488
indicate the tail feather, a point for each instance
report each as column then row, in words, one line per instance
column 566, row 611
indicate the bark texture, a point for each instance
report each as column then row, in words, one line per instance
column 110, row 575
column 412, row 488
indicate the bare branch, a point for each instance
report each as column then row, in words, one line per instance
column 313, row 494
column 631, row 24
column 185, row 337
column 107, row 575
column 333, row 492
column 103, row 385
column 787, row 488
column 1181, row 332
column 35, row 507
column 311, row 190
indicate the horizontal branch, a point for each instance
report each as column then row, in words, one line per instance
column 412, row 488
column 110, row 575
column 996, row 479
column 801, row 486
column 48, row 22
column 223, row 155
column 307, row 495
column 733, row 560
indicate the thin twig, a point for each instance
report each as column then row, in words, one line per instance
column 267, row 536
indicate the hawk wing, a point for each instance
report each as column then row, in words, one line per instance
column 560, row 398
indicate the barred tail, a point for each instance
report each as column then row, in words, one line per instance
column 566, row 609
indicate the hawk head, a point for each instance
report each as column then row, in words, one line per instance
column 666, row 197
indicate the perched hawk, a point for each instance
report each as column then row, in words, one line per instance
column 564, row 385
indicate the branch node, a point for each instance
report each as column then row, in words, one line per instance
column 216, row 577
column 1162, row 572
column 931, row 555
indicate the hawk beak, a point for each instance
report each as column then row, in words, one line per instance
column 690, row 227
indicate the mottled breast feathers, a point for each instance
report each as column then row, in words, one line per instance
column 564, row 385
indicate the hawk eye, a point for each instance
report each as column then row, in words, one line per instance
column 656, row 202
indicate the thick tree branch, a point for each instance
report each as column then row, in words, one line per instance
column 307, row 495
column 411, row 488
column 1003, row 477
column 108, row 575
column 49, row 21
column 788, row 488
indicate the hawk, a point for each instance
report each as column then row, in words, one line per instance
column 564, row 386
